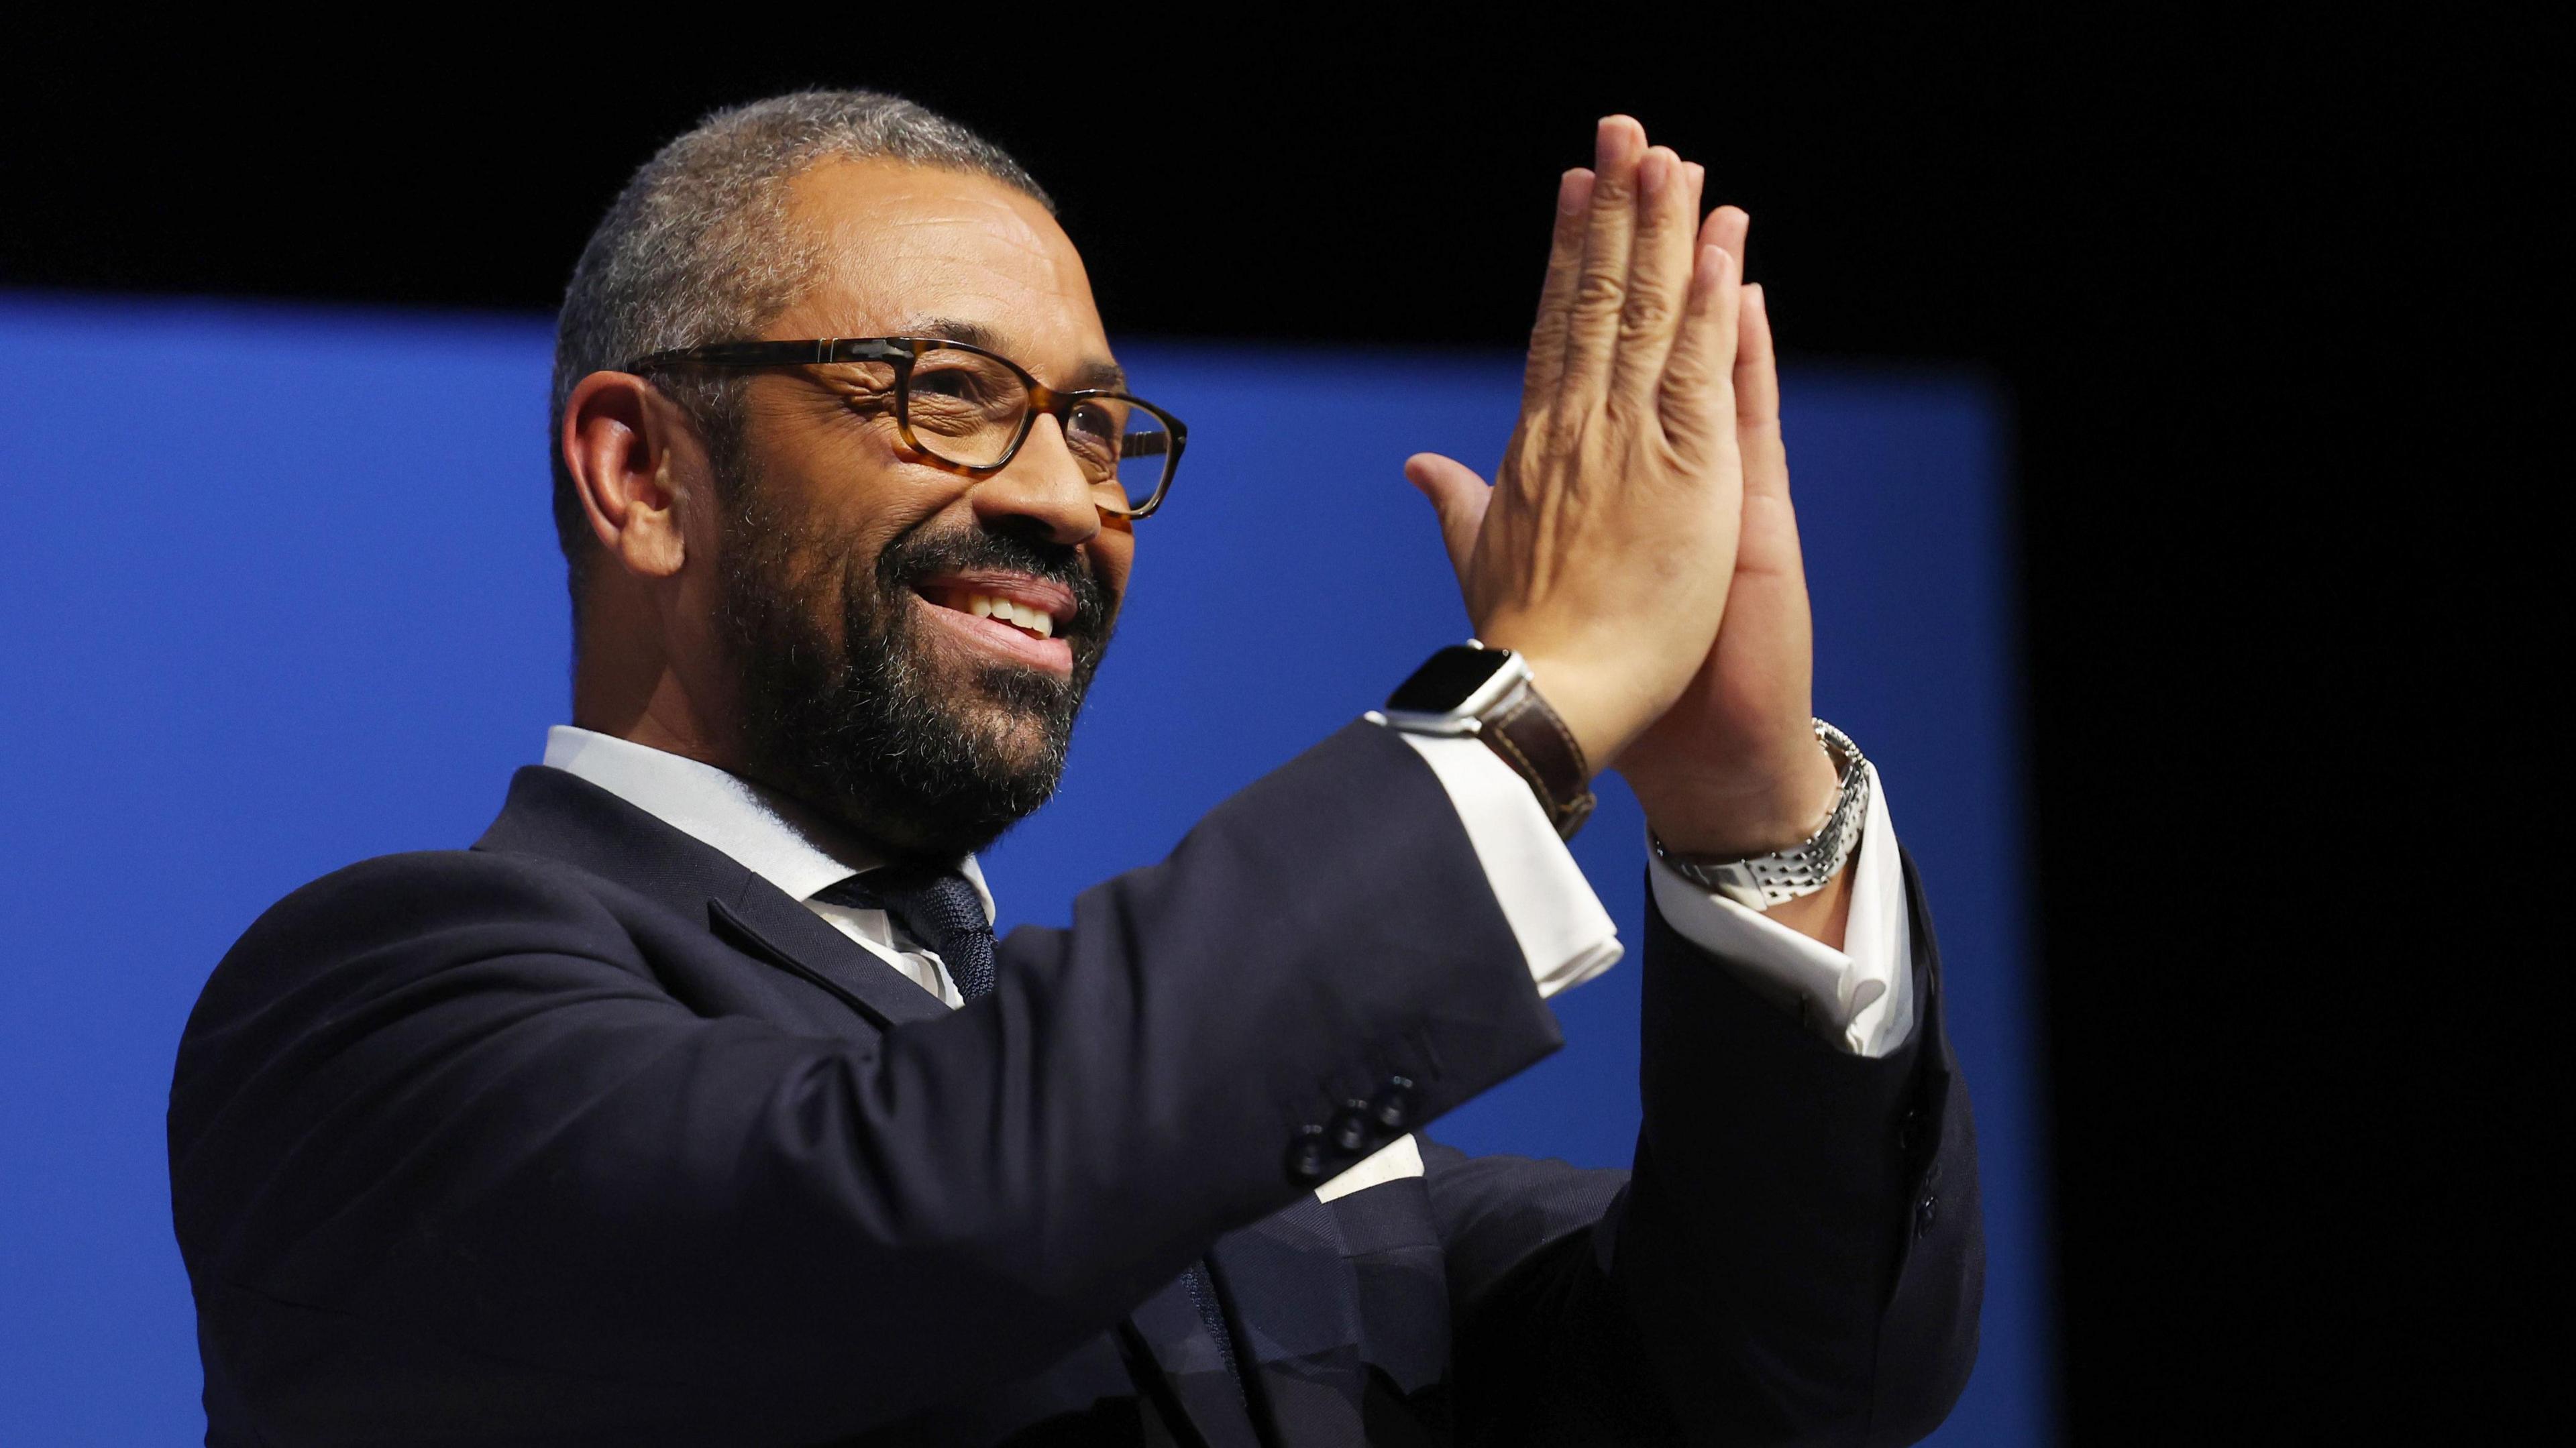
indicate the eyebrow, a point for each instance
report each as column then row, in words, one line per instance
column 1097, row 372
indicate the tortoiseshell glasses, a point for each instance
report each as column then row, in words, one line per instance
column 969, row 409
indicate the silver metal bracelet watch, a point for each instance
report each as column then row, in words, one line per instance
column 1762, row 881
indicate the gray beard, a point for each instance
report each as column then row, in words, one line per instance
column 871, row 729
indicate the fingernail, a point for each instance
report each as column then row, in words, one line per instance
column 1573, row 191
column 1652, row 173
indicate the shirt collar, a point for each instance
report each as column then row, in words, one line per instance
column 766, row 832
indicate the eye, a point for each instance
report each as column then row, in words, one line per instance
column 1094, row 427
column 962, row 384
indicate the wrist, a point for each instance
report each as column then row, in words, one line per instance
column 1472, row 690
column 1737, row 814
column 1600, row 713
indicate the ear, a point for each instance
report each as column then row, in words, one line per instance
column 627, row 447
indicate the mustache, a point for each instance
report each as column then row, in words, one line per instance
column 921, row 556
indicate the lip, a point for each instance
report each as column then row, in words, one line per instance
column 1050, row 655
column 1045, row 595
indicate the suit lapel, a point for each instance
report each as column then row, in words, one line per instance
column 764, row 923
column 552, row 813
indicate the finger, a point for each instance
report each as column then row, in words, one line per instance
column 1556, row 295
column 1458, row 497
column 1601, row 288
column 1757, row 400
column 1725, row 229
column 1659, row 277
column 1695, row 399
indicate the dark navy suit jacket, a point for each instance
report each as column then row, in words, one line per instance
column 590, row 1135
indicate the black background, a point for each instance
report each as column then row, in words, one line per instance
column 2245, row 278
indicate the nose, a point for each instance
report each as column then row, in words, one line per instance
column 1043, row 490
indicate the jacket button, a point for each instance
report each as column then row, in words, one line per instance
column 1926, row 1212
column 1306, row 1156
column 1350, row 1129
column 1393, row 1109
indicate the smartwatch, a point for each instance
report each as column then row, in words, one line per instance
column 1469, row 690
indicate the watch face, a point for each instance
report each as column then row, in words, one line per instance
column 1448, row 679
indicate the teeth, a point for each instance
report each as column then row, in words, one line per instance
column 1036, row 621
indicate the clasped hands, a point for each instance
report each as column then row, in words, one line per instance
column 1637, row 546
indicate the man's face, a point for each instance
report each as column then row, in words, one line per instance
column 870, row 685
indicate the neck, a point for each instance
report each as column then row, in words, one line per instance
column 628, row 685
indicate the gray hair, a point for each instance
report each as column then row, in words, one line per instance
column 697, row 248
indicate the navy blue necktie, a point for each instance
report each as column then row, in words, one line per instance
column 940, row 909
column 937, row 907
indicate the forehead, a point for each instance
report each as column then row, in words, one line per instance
column 900, row 244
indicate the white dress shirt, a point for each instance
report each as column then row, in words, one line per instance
column 1860, row 997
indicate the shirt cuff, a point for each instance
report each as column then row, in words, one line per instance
column 1861, row 998
column 1564, row 934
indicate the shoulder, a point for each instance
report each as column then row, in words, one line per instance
column 391, row 951
column 399, row 917
column 398, row 897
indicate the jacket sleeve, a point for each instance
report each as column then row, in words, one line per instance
column 1797, row 1256
column 448, row 1160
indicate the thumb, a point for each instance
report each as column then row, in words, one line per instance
column 1458, row 496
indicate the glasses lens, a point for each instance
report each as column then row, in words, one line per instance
column 965, row 407
column 1124, row 448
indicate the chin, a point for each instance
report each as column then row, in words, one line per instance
column 1014, row 739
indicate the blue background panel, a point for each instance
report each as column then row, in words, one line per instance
column 281, row 592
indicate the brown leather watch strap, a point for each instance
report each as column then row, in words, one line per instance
column 1540, row 749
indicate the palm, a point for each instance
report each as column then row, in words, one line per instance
column 1747, row 710
column 1738, row 741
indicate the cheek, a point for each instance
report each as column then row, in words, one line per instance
column 853, row 520
column 1113, row 556
column 839, row 471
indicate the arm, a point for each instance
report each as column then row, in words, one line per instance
column 1775, row 1253
column 1773, row 1258
column 1768, row 1273
column 441, row 1137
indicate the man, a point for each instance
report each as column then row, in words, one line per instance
column 697, row 1104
